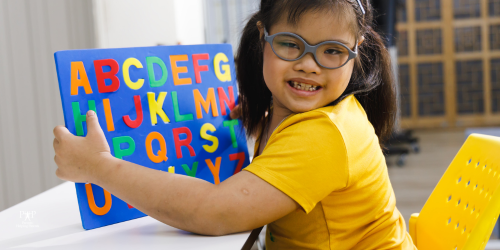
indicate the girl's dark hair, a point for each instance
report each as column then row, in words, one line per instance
column 371, row 81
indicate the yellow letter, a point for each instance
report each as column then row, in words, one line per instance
column 156, row 107
column 215, row 141
column 226, row 76
column 126, row 76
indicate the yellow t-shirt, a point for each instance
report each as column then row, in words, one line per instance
column 329, row 161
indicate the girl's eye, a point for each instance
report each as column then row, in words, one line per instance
column 333, row 51
column 289, row 44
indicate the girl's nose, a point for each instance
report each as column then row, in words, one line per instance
column 307, row 64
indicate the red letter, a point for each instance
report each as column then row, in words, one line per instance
column 101, row 76
column 199, row 68
column 138, row 109
column 223, row 98
column 240, row 157
column 178, row 142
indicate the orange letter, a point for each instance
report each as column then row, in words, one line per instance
column 162, row 153
column 176, row 70
column 214, row 169
column 78, row 69
column 199, row 101
column 95, row 209
column 109, row 116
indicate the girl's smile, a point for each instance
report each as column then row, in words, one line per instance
column 304, row 87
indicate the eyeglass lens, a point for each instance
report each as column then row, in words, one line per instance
column 329, row 55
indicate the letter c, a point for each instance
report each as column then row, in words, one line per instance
column 126, row 75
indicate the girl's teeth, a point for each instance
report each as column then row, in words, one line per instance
column 303, row 86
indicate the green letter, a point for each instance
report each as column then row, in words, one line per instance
column 79, row 118
column 231, row 124
column 150, row 60
column 191, row 172
column 177, row 113
column 119, row 153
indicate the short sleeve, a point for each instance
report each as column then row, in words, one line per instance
column 305, row 158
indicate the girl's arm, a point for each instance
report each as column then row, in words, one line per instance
column 242, row 202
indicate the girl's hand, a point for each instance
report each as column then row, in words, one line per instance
column 77, row 157
column 236, row 112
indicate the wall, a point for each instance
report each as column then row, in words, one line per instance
column 30, row 32
column 131, row 23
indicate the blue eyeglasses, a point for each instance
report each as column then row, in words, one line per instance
column 291, row 47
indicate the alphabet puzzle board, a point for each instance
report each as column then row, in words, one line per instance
column 164, row 107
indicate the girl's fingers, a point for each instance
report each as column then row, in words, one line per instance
column 55, row 144
column 236, row 112
column 60, row 131
column 94, row 129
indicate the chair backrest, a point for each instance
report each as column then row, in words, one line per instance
column 464, row 206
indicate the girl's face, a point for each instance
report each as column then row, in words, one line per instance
column 281, row 76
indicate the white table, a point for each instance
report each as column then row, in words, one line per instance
column 51, row 220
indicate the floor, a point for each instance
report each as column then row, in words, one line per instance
column 414, row 182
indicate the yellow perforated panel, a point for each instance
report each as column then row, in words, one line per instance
column 464, row 206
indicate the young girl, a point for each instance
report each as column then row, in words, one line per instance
column 319, row 178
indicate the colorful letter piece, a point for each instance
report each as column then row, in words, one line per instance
column 223, row 99
column 215, row 141
column 126, row 74
column 156, row 107
column 215, row 169
column 190, row 171
column 199, row 102
column 101, row 76
column 91, row 201
column 138, row 110
column 177, row 69
column 120, row 153
column 198, row 68
column 185, row 142
column 161, row 156
column 231, row 125
column 241, row 160
column 79, row 78
column 109, row 116
column 222, row 76
column 177, row 112
column 79, row 118
column 150, row 60
column 126, row 86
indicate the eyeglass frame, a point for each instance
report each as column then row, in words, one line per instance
column 310, row 48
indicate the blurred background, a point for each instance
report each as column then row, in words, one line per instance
column 446, row 56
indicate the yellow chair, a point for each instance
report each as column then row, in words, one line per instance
column 463, row 208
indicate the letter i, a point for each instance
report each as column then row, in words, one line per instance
column 108, row 115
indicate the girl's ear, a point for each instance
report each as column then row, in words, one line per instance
column 260, row 26
column 361, row 40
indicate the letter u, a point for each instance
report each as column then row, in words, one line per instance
column 95, row 209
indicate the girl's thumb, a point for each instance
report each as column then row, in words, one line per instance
column 93, row 127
